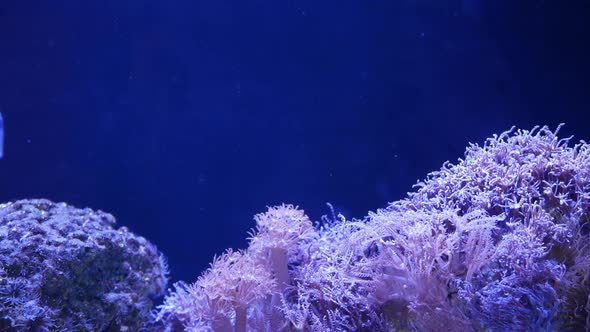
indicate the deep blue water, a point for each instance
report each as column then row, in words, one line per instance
column 185, row 118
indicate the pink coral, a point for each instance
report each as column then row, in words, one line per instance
column 498, row 241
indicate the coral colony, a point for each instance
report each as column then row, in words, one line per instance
column 496, row 242
column 67, row 269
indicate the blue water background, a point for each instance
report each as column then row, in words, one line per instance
column 185, row 118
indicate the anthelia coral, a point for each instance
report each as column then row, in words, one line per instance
column 496, row 242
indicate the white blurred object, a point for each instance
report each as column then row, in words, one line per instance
column 1, row 136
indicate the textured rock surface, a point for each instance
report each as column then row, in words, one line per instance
column 63, row 268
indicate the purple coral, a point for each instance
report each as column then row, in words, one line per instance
column 68, row 269
column 498, row 241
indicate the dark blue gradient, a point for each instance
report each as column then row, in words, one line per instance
column 185, row 118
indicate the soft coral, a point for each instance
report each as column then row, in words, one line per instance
column 241, row 280
column 234, row 282
column 498, row 241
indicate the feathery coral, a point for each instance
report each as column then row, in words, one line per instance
column 498, row 241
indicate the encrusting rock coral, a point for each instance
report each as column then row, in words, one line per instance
column 69, row 269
